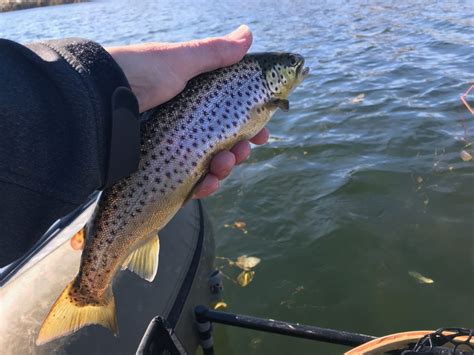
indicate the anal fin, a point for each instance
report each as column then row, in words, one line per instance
column 144, row 260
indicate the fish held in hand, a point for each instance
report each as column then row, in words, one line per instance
column 178, row 140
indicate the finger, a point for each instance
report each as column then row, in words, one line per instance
column 241, row 151
column 222, row 164
column 213, row 53
column 261, row 137
column 206, row 186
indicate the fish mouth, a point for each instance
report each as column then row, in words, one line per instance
column 301, row 71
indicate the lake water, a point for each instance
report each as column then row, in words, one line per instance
column 362, row 181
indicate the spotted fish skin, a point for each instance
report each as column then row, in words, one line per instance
column 178, row 140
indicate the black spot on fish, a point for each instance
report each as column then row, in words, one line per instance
column 168, row 175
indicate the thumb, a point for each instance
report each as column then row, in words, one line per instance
column 213, row 53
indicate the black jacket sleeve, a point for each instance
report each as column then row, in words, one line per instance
column 64, row 106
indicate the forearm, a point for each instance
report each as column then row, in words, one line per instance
column 55, row 133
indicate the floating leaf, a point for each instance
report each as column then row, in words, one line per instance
column 305, row 152
column 358, row 99
column 220, row 305
column 465, row 156
column 420, row 278
column 273, row 139
column 419, row 179
column 255, row 343
column 298, row 290
column 226, row 225
column 240, row 224
column 245, row 277
column 77, row 241
column 450, row 168
column 247, row 262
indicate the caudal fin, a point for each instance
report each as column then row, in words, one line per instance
column 65, row 317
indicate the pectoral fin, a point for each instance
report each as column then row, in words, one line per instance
column 280, row 103
column 144, row 260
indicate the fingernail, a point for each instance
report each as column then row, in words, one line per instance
column 241, row 32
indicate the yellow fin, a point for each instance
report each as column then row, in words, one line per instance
column 144, row 260
column 65, row 317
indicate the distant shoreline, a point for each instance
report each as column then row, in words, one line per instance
column 13, row 5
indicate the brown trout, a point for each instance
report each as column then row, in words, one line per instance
column 178, row 140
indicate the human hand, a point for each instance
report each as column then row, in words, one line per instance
column 157, row 72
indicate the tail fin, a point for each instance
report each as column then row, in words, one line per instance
column 65, row 317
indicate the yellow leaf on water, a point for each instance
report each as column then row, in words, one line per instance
column 220, row 305
column 420, row 278
column 465, row 156
column 358, row 99
column 247, row 262
column 240, row 224
column 245, row 277
column 226, row 225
